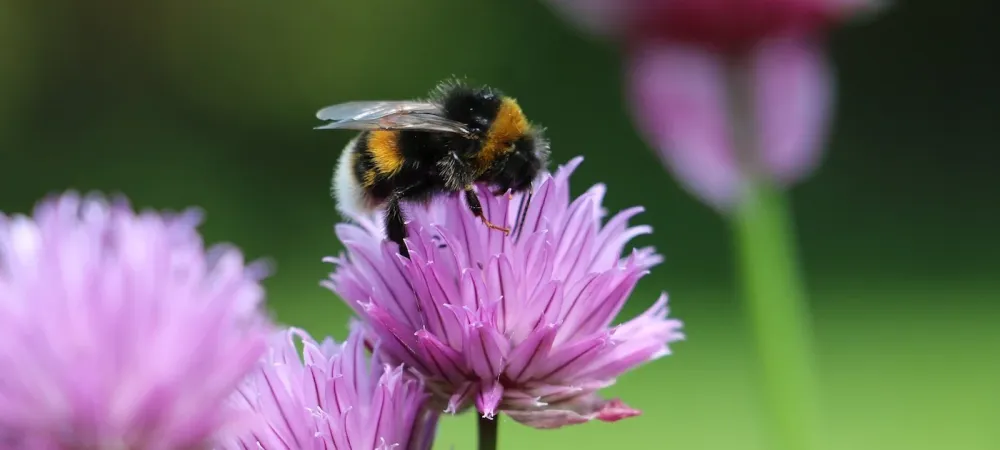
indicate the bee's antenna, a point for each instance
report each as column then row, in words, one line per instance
column 522, row 212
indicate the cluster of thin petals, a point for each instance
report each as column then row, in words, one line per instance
column 520, row 324
column 118, row 329
column 331, row 398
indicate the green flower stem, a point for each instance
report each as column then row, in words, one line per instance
column 775, row 301
column 488, row 429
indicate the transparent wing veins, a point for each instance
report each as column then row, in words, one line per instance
column 388, row 115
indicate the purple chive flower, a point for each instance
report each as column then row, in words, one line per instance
column 519, row 326
column 727, row 90
column 117, row 330
column 332, row 400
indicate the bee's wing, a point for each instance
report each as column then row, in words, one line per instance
column 388, row 115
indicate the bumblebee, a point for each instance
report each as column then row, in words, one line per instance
column 410, row 151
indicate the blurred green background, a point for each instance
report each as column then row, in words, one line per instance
column 211, row 103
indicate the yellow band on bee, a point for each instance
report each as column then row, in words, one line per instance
column 384, row 148
column 369, row 180
column 509, row 125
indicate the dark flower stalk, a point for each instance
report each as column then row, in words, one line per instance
column 488, row 433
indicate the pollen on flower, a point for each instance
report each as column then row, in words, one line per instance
column 515, row 325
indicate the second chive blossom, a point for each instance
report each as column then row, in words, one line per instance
column 332, row 397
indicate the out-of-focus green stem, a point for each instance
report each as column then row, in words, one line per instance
column 776, row 303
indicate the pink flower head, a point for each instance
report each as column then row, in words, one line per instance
column 517, row 324
column 332, row 399
column 727, row 90
column 117, row 330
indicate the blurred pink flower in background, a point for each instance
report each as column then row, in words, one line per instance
column 726, row 90
column 523, row 326
column 332, row 398
column 117, row 330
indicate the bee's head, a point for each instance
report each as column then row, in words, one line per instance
column 528, row 156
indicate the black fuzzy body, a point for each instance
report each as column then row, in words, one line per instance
column 433, row 163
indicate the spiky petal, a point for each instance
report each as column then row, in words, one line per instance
column 520, row 326
column 117, row 330
column 331, row 398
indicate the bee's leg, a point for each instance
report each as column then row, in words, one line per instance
column 522, row 212
column 395, row 224
column 477, row 209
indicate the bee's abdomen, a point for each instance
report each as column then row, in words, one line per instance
column 369, row 166
column 348, row 187
column 386, row 156
column 402, row 163
column 359, row 160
